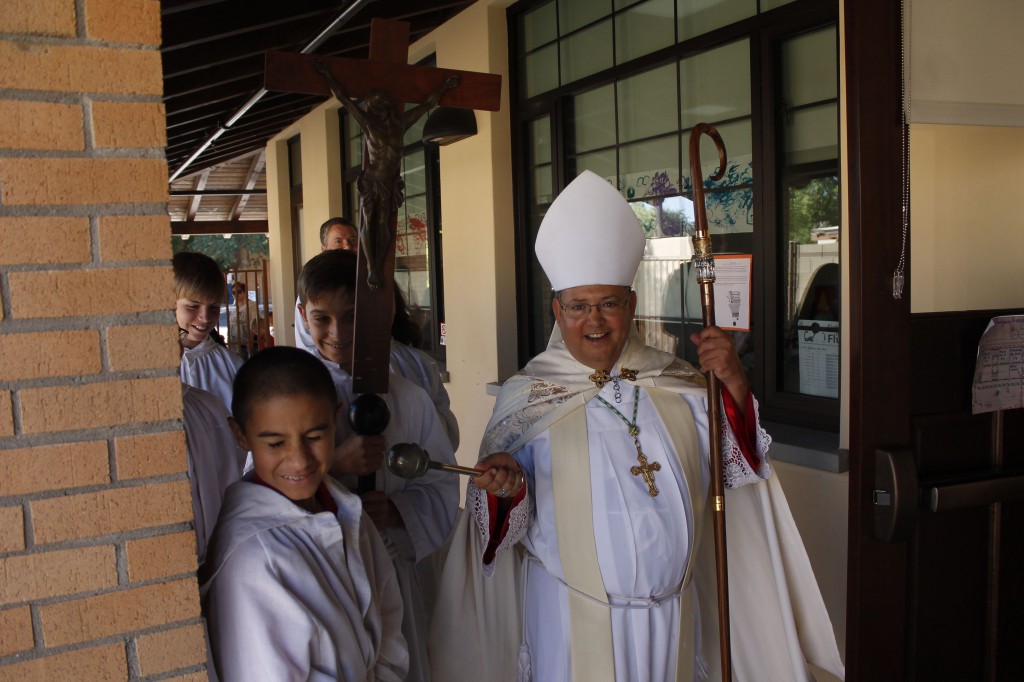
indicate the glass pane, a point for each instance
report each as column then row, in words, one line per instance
column 647, row 104
column 809, row 68
column 700, row 16
column 602, row 163
column 587, row 52
column 543, row 187
column 414, row 174
column 808, row 323
column 663, row 282
column 810, row 358
column 572, row 14
column 540, row 141
column 621, row 4
column 715, row 85
column 812, row 135
column 650, row 168
column 540, row 71
column 664, row 217
column 739, row 156
column 644, row 29
column 539, row 27
column 414, row 133
column 730, row 211
column 355, row 145
column 353, row 197
column 412, row 227
column 592, row 120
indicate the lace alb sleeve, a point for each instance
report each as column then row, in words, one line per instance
column 519, row 519
column 735, row 468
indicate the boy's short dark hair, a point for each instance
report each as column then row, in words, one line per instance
column 330, row 222
column 197, row 277
column 275, row 371
column 327, row 273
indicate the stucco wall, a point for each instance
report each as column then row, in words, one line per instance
column 966, row 222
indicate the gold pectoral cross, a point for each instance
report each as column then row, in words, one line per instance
column 644, row 469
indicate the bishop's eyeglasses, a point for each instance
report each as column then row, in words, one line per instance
column 612, row 307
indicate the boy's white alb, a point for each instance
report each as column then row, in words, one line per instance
column 590, row 235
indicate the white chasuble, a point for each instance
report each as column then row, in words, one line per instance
column 643, row 544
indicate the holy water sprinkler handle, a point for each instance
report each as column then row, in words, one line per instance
column 409, row 460
column 368, row 415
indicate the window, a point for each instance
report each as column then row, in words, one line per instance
column 615, row 87
column 418, row 267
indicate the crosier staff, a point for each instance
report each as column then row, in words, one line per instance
column 705, row 264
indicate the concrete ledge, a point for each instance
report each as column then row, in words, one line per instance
column 807, row 447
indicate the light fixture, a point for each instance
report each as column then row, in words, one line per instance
column 448, row 124
column 185, row 237
column 227, row 235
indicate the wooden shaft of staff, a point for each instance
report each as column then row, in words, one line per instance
column 705, row 264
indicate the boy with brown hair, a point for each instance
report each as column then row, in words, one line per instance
column 413, row 516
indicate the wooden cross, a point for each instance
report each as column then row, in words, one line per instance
column 386, row 69
column 646, row 470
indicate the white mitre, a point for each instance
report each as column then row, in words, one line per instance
column 590, row 235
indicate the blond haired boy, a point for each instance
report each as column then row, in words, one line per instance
column 199, row 290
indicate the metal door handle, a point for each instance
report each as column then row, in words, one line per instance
column 986, row 491
column 899, row 496
column 896, row 494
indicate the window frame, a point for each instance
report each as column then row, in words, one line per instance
column 766, row 33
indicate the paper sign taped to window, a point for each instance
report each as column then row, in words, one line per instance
column 819, row 357
column 732, row 291
column 999, row 374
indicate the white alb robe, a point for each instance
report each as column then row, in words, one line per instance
column 419, row 368
column 428, row 504
column 211, row 367
column 215, row 459
column 291, row 595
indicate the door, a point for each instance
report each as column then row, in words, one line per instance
column 942, row 600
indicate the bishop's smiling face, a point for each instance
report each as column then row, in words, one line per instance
column 596, row 339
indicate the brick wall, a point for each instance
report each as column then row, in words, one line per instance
column 97, row 557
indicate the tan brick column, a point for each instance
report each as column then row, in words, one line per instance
column 97, row 555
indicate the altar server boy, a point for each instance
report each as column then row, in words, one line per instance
column 199, row 289
column 297, row 584
column 414, row 517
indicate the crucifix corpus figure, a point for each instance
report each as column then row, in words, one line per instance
column 381, row 189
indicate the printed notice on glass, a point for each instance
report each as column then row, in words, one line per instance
column 819, row 357
column 732, row 291
column 999, row 374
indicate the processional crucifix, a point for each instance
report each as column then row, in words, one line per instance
column 386, row 82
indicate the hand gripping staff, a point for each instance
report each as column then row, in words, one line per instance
column 705, row 264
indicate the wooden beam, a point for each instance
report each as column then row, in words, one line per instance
column 294, row 72
column 193, row 206
column 250, row 182
column 215, row 192
column 197, row 227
